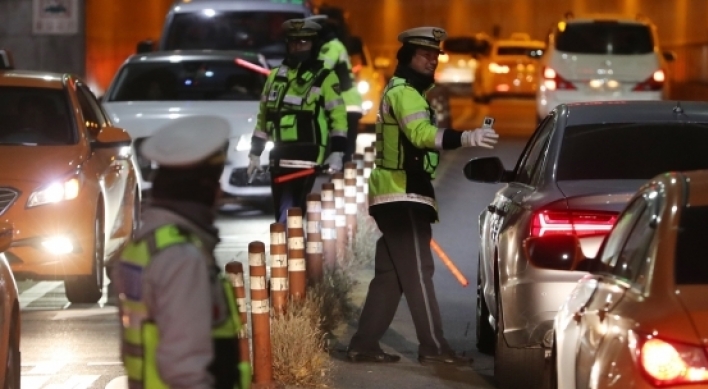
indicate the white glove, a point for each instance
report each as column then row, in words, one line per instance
column 335, row 161
column 254, row 163
column 481, row 137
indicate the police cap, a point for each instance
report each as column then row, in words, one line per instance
column 429, row 37
column 189, row 141
column 301, row 28
column 319, row 19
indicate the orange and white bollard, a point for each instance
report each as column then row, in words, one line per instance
column 369, row 157
column 360, row 195
column 329, row 228
column 297, row 279
column 260, row 316
column 340, row 219
column 350, row 204
column 314, row 248
column 234, row 272
column 278, row 268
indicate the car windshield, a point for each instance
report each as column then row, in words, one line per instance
column 237, row 30
column 35, row 116
column 187, row 81
column 691, row 247
column 604, row 38
column 631, row 151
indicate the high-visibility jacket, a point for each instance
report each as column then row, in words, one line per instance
column 302, row 112
column 141, row 335
column 334, row 55
column 407, row 140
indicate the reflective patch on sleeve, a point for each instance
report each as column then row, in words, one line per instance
column 328, row 63
column 330, row 105
column 132, row 277
column 414, row 116
column 439, row 138
column 338, row 133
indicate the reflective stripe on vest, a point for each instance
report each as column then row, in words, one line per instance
column 140, row 334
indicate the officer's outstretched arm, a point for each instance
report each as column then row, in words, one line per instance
column 412, row 112
column 260, row 133
column 336, row 113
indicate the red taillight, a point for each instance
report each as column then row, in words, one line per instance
column 669, row 363
column 553, row 81
column 654, row 83
column 580, row 223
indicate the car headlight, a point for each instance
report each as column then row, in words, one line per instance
column 55, row 192
column 362, row 87
column 244, row 143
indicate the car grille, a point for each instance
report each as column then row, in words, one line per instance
column 239, row 177
column 7, row 197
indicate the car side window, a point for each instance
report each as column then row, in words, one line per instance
column 533, row 154
column 632, row 256
column 612, row 245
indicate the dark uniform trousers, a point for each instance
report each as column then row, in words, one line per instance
column 352, row 132
column 291, row 194
column 403, row 265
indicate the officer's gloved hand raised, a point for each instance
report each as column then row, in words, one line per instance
column 335, row 161
column 254, row 164
column 481, row 137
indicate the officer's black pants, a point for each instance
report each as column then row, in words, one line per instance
column 352, row 131
column 290, row 194
column 403, row 265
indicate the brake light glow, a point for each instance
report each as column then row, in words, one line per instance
column 498, row 69
column 669, row 363
column 654, row 83
column 580, row 223
column 553, row 81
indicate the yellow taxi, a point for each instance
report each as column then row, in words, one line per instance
column 10, row 316
column 68, row 181
column 510, row 69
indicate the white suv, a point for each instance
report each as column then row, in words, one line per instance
column 599, row 58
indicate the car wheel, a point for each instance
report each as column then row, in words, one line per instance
column 12, row 368
column 89, row 289
column 516, row 367
column 485, row 332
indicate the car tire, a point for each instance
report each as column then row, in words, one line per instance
column 516, row 367
column 13, row 360
column 485, row 333
column 88, row 289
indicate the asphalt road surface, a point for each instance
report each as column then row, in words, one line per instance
column 68, row 346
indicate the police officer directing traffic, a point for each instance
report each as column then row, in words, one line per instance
column 303, row 113
column 178, row 313
column 335, row 56
column 402, row 202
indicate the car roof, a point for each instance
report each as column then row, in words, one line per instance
column 188, row 6
column 195, row 55
column 634, row 112
column 32, row 79
column 608, row 17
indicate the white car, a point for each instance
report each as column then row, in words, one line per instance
column 600, row 58
column 151, row 89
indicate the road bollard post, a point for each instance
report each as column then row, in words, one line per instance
column 278, row 268
column 314, row 248
column 260, row 317
column 329, row 228
column 297, row 278
column 340, row 219
column 360, row 196
column 234, row 272
column 350, row 205
column 368, row 167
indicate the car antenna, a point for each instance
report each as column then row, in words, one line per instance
column 678, row 109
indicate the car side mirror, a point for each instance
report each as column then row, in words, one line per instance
column 381, row 63
column 556, row 252
column 112, row 137
column 6, row 230
column 145, row 46
column 669, row 55
column 486, row 169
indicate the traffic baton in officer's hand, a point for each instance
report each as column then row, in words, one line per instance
column 448, row 262
column 301, row 173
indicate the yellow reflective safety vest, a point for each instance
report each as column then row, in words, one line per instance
column 334, row 55
column 406, row 155
column 141, row 336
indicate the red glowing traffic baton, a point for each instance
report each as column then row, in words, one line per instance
column 252, row 66
column 356, row 69
column 448, row 262
column 292, row 176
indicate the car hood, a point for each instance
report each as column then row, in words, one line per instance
column 38, row 163
column 583, row 67
column 142, row 119
column 599, row 195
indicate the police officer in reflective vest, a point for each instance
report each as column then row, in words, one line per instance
column 303, row 113
column 402, row 202
column 178, row 313
column 335, row 56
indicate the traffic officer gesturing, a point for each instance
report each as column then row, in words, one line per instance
column 302, row 111
column 334, row 55
column 402, row 202
column 178, row 314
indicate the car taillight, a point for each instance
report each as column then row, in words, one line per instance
column 667, row 363
column 553, row 81
column 580, row 223
column 654, row 83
